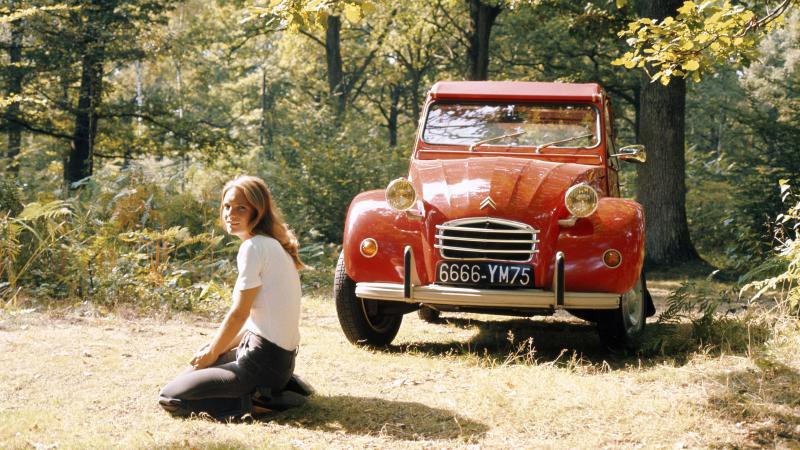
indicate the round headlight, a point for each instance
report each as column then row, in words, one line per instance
column 581, row 200
column 400, row 194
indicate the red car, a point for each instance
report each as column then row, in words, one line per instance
column 511, row 206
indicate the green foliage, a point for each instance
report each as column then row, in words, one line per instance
column 117, row 243
column 714, row 324
column 9, row 198
column 697, row 302
column 773, row 290
column 695, row 41
column 227, row 87
column 299, row 13
column 321, row 257
column 148, row 237
column 315, row 176
column 25, row 238
column 785, row 284
column 742, row 130
column 8, row 15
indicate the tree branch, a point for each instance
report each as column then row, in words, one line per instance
column 38, row 130
column 754, row 24
column 312, row 37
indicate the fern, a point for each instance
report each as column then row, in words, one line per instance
column 47, row 211
column 41, row 221
column 9, row 245
column 786, row 283
column 698, row 303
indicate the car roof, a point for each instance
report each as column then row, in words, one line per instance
column 515, row 90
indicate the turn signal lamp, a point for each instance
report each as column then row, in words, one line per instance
column 581, row 200
column 612, row 258
column 400, row 194
column 369, row 247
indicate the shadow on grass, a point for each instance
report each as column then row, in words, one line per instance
column 497, row 339
column 368, row 416
column 525, row 341
column 379, row 417
column 764, row 402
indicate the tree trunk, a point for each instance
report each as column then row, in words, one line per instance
column 80, row 160
column 416, row 101
column 482, row 18
column 661, row 182
column 265, row 136
column 14, row 88
column 138, row 101
column 333, row 52
column 394, row 111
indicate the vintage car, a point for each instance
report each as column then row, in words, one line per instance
column 511, row 206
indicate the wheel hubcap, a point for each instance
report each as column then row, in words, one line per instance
column 377, row 321
column 632, row 307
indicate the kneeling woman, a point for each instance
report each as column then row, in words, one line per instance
column 256, row 343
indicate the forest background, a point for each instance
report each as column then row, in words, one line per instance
column 122, row 119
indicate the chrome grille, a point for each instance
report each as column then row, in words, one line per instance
column 486, row 238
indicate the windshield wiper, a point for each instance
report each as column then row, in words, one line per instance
column 561, row 141
column 496, row 138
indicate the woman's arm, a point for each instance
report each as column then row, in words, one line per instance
column 229, row 332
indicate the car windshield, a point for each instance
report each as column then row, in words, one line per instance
column 522, row 124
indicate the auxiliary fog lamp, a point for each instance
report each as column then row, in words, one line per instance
column 368, row 247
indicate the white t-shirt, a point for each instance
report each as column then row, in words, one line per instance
column 275, row 314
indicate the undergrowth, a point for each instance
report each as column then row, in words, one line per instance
column 730, row 320
column 148, row 238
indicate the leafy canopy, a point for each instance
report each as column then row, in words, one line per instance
column 700, row 37
column 296, row 14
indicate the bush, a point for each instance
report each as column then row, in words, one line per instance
column 784, row 266
column 314, row 176
column 714, row 324
column 149, row 235
column 774, row 300
column 9, row 198
column 126, row 237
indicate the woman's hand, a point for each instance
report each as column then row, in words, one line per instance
column 229, row 330
column 203, row 358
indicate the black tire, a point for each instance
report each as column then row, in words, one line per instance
column 622, row 328
column 361, row 319
column 429, row 315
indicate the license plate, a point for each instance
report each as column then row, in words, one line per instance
column 485, row 274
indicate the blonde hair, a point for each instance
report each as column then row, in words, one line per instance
column 267, row 219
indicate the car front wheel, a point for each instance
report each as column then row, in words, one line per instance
column 362, row 321
column 620, row 329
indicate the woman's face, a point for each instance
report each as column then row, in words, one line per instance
column 236, row 214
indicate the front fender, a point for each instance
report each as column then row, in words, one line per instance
column 369, row 216
column 616, row 224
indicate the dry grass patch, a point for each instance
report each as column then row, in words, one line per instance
column 473, row 381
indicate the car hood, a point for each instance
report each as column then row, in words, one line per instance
column 518, row 187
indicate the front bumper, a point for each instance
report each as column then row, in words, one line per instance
column 491, row 298
column 410, row 291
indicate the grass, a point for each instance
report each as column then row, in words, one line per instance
column 75, row 378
